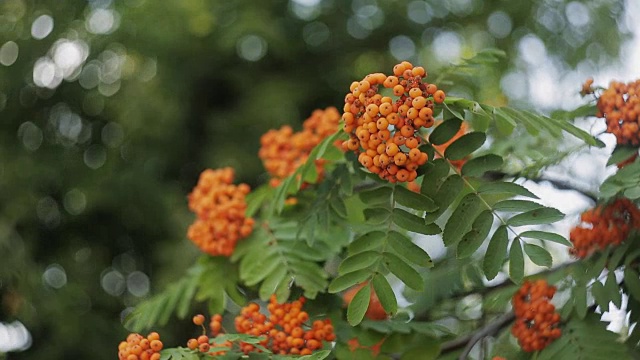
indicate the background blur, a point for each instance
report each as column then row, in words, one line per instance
column 109, row 110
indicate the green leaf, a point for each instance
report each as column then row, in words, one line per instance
column 369, row 241
column 547, row 236
column 339, row 207
column 403, row 271
column 317, row 355
column 632, row 192
column 459, row 223
column 445, row 196
column 472, row 240
column 543, row 215
column 496, row 252
column 539, row 255
column 454, row 112
column 445, row 131
column 378, row 196
column 426, row 349
column 580, row 300
column 516, row 261
column 435, row 172
column 359, row 305
column 270, row 284
column 413, row 200
column 465, row 145
column 414, row 223
column 359, row 261
column 600, row 295
column 385, row 294
column 613, row 290
column 376, row 216
column 479, row 165
column 516, row 205
column 348, row 280
column 256, row 198
column 632, row 282
column 498, row 187
column 586, row 339
column 403, row 245
column 505, row 123
column 621, row 153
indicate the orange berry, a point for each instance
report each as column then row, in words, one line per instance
column 439, row 96
column 398, row 90
column 192, row 344
column 402, row 175
column 198, row 319
column 156, row 345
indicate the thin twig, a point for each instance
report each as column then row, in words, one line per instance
column 488, row 330
column 558, row 184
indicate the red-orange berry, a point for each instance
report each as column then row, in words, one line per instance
column 198, row 319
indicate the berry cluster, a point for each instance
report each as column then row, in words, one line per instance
column 220, row 208
column 384, row 133
column 283, row 151
column 440, row 149
column 286, row 328
column 375, row 310
column 620, row 106
column 604, row 225
column 537, row 322
column 137, row 347
column 203, row 344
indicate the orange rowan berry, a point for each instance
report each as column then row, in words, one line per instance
column 204, row 347
column 438, row 96
column 418, row 71
column 415, row 92
column 192, row 344
column 398, row 90
column 390, row 82
column 398, row 69
column 198, row 319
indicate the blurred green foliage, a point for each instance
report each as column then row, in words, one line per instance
column 109, row 110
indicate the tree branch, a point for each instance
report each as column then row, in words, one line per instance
column 472, row 339
column 558, row 184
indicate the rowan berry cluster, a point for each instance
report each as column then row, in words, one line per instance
column 283, row 151
column 202, row 343
column 220, row 208
column 620, row 106
column 375, row 311
column 604, row 225
column 537, row 322
column 137, row 347
column 440, row 149
column 384, row 133
column 286, row 329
